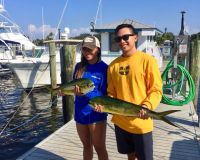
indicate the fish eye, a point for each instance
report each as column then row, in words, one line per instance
column 90, row 85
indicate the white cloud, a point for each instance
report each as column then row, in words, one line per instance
column 195, row 30
column 32, row 28
column 76, row 32
column 192, row 30
column 37, row 32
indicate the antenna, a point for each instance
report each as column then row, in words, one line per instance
column 2, row 2
column 92, row 24
column 2, row 7
column 61, row 19
column 95, row 21
column 42, row 24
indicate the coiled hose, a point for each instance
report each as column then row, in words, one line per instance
column 179, row 83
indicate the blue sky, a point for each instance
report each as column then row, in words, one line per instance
column 79, row 13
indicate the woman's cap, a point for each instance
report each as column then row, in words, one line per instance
column 91, row 42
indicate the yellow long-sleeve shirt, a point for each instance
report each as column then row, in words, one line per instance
column 135, row 79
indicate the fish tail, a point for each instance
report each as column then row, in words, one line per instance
column 47, row 87
column 52, row 91
column 161, row 116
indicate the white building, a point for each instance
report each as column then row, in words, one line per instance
column 145, row 42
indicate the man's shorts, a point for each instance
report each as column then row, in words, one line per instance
column 141, row 144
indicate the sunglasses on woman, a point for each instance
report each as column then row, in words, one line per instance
column 124, row 37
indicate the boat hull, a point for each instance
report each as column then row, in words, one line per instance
column 33, row 74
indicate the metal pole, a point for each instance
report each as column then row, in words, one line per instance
column 182, row 23
column 59, row 30
column 175, row 70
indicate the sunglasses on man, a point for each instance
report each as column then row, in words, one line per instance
column 124, row 37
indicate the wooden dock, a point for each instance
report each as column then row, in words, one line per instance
column 170, row 143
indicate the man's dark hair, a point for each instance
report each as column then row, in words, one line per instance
column 125, row 26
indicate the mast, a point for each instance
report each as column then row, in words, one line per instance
column 42, row 24
column 93, row 24
column 60, row 20
column 95, row 21
column 2, row 2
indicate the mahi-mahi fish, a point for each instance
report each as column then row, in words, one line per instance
column 120, row 107
column 85, row 86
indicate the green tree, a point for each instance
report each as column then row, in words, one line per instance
column 160, row 39
column 195, row 36
column 168, row 36
column 38, row 42
column 49, row 36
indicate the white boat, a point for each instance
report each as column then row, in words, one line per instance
column 34, row 72
column 13, row 42
column 10, row 32
column 19, row 53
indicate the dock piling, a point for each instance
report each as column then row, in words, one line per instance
column 67, row 59
column 52, row 55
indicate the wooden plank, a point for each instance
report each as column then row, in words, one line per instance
column 169, row 142
column 174, row 143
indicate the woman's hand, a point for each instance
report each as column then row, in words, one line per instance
column 60, row 93
column 98, row 108
column 77, row 90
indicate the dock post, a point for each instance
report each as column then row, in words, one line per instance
column 195, row 67
column 67, row 59
column 195, row 72
column 52, row 55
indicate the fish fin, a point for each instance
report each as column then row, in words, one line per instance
column 48, row 87
column 51, row 90
column 163, row 114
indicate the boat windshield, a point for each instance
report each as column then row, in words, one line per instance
column 5, row 30
column 8, row 30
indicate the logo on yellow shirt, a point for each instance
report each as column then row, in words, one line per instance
column 124, row 70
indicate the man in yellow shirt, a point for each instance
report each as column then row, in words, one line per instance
column 134, row 77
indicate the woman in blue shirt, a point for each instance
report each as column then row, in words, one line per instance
column 91, row 125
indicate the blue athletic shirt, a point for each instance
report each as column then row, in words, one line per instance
column 84, row 114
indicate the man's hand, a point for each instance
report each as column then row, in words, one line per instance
column 143, row 113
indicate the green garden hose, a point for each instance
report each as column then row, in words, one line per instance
column 179, row 83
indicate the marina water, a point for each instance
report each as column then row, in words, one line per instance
column 33, row 121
